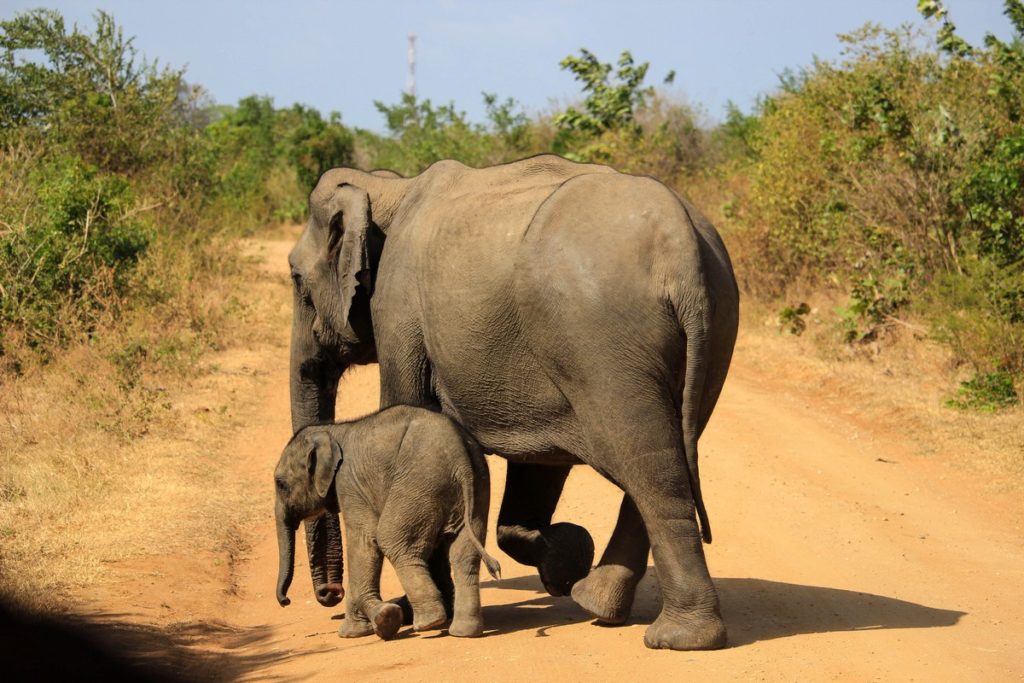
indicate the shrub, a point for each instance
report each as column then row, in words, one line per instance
column 74, row 254
column 420, row 133
column 897, row 176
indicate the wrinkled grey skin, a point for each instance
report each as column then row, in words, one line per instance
column 408, row 481
column 562, row 313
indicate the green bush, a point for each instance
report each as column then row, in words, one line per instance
column 988, row 393
column 267, row 160
column 896, row 175
column 75, row 253
column 420, row 133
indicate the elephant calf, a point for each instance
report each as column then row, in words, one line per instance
column 406, row 481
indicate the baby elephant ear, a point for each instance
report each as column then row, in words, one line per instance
column 327, row 454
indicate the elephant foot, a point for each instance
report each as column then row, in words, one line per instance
column 607, row 593
column 704, row 631
column 406, row 607
column 329, row 594
column 430, row 619
column 355, row 628
column 407, row 613
column 567, row 559
column 466, row 627
column 387, row 621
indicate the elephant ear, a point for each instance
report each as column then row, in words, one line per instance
column 350, row 226
column 325, row 459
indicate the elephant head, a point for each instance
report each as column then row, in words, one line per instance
column 303, row 480
column 332, row 269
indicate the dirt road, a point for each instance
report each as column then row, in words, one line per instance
column 839, row 553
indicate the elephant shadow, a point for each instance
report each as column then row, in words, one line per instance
column 753, row 609
column 539, row 613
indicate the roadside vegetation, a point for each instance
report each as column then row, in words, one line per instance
column 867, row 202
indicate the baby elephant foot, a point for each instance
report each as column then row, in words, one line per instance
column 569, row 555
column 429, row 619
column 357, row 627
column 607, row 593
column 387, row 620
column 466, row 627
column 698, row 632
column 407, row 613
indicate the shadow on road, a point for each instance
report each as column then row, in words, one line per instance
column 754, row 609
column 106, row 646
column 540, row 613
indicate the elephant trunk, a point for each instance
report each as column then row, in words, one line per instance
column 286, row 555
column 314, row 384
column 323, row 543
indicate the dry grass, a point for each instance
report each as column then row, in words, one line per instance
column 102, row 459
column 899, row 380
column 898, row 383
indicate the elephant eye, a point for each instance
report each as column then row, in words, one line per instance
column 297, row 279
column 281, row 485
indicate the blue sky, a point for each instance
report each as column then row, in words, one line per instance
column 342, row 56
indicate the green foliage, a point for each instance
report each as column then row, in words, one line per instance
column 78, row 247
column 267, row 160
column 627, row 125
column 969, row 311
column 610, row 104
column 946, row 38
column 988, row 393
column 315, row 145
column 90, row 94
column 792, row 319
column 892, row 171
column 736, row 137
column 420, row 133
column 116, row 177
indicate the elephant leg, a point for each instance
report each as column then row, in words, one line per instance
column 638, row 446
column 564, row 552
column 690, row 617
column 465, row 560
column 608, row 591
column 441, row 573
column 365, row 612
column 655, row 478
column 428, row 608
column 408, row 537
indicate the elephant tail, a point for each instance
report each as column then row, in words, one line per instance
column 693, row 311
column 468, row 484
column 693, row 388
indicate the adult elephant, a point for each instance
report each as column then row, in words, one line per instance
column 563, row 313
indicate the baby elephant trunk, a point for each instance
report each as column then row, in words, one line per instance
column 286, row 556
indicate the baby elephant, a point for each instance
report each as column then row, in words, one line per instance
column 406, row 480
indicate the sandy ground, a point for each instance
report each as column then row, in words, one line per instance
column 840, row 552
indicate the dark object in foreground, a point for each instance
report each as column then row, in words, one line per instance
column 35, row 647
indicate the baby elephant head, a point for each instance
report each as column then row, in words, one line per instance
column 303, row 479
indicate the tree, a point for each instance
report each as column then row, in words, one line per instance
column 90, row 91
column 611, row 104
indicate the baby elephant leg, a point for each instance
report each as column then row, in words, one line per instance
column 408, row 535
column 465, row 559
column 427, row 606
column 365, row 612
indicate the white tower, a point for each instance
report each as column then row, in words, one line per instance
column 410, row 83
